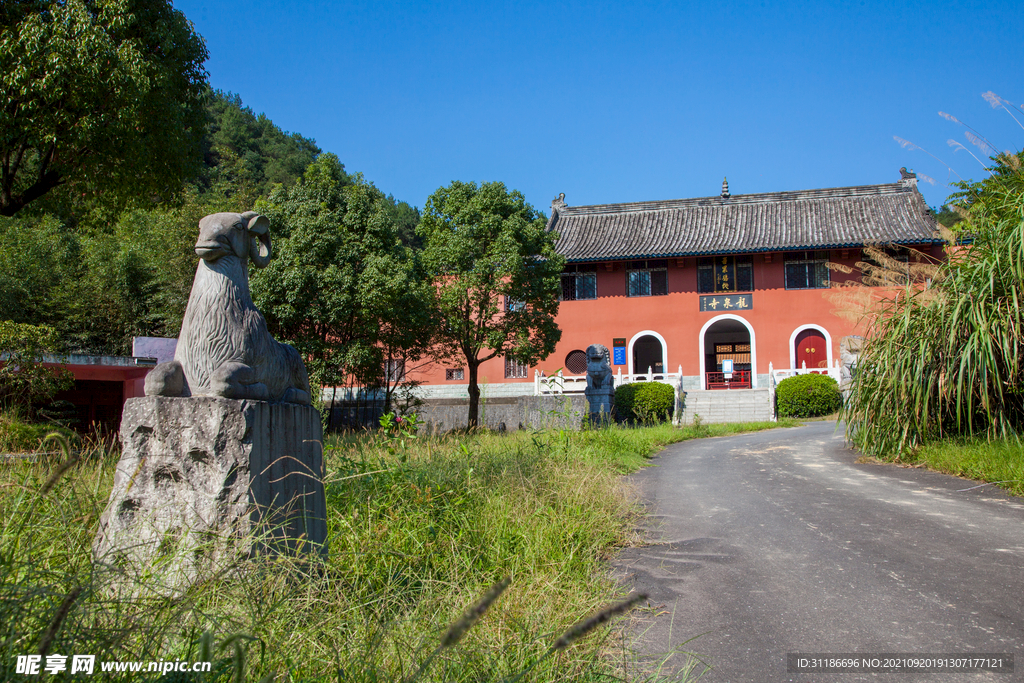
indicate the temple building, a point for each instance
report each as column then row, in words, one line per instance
column 685, row 290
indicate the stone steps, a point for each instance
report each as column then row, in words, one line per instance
column 735, row 405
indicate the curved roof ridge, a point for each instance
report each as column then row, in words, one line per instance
column 773, row 221
column 754, row 198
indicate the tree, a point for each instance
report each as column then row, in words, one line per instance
column 245, row 155
column 24, row 379
column 106, row 96
column 495, row 278
column 341, row 284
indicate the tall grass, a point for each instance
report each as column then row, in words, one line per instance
column 945, row 356
column 418, row 530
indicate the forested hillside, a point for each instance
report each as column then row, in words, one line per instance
column 102, row 268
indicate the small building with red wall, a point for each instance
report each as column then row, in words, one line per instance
column 102, row 385
column 686, row 285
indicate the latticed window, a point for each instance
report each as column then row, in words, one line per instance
column 647, row 278
column 454, row 374
column 514, row 369
column 806, row 269
column 725, row 274
column 394, row 369
column 579, row 282
column 739, row 354
column 576, row 362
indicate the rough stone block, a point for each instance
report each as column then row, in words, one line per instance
column 205, row 481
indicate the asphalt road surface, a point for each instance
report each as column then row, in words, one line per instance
column 779, row 542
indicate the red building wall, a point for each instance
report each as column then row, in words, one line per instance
column 776, row 318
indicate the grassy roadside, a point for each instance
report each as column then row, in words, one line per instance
column 418, row 530
column 999, row 462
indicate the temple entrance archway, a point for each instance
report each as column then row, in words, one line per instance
column 647, row 351
column 727, row 338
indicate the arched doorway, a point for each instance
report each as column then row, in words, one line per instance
column 647, row 351
column 810, row 347
column 727, row 338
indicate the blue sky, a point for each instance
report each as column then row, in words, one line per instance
column 620, row 102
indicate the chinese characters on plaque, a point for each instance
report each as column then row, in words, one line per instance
column 727, row 302
column 619, row 351
column 725, row 275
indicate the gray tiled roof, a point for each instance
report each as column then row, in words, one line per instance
column 828, row 218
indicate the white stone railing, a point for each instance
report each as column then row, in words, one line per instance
column 782, row 373
column 576, row 384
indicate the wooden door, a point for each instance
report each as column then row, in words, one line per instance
column 811, row 349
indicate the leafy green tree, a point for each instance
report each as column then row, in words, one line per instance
column 40, row 266
column 102, row 96
column 406, row 218
column 340, row 283
column 495, row 277
column 245, row 155
column 24, row 380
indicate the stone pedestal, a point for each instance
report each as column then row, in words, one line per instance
column 203, row 482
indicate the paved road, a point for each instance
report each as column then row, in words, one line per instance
column 779, row 542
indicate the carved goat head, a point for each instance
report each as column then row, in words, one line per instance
column 245, row 235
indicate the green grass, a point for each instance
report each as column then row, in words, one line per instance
column 18, row 435
column 1000, row 462
column 417, row 532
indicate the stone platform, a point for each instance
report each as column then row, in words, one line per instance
column 203, row 482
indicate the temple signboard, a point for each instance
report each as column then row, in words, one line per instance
column 726, row 302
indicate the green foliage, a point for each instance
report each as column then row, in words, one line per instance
column 622, row 403
column 19, row 435
column 810, row 395
column 99, row 97
column 945, row 359
column 653, row 402
column 24, row 379
column 40, row 264
column 412, row 545
column 644, row 402
column 946, row 216
column 246, row 154
column 999, row 461
column 494, row 274
column 340, row 287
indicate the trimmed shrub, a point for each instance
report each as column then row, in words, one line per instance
column 809, row 395
column 622, row 404
column 644, row 402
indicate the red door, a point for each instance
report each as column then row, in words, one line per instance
column 811, row 349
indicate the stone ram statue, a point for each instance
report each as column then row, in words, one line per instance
column 224, row 348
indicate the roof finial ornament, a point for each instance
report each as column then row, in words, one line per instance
column 908, row 179
column 725, row 188
column 558, row 202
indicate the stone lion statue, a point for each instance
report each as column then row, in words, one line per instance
column 600, row 383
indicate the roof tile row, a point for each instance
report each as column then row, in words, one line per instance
column 827, row 218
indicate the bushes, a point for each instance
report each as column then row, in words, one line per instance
column 644, row 402
column 808, row 395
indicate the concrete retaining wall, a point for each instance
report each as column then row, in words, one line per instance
column 521, row 412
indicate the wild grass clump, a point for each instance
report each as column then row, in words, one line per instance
column 944, row 356
column 452, row 558
column 18, row 435
column 1000, row 461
